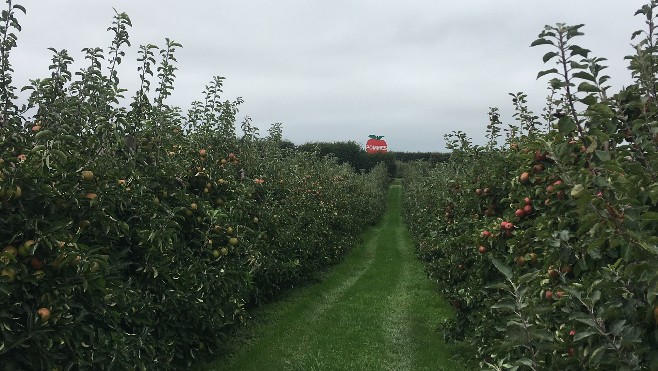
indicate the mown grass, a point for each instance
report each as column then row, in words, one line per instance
column 377, row 310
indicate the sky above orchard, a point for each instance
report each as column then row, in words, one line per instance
column 341, row 70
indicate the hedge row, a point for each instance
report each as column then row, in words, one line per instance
column 547, row 246
column 135, row 237
column 353, row 154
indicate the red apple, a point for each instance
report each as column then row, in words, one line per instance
column 540, row 156
column 36, row 263
column 533, row 257
column 44, row 314
column 552, row 273
column 524, row 177
column 567, row 269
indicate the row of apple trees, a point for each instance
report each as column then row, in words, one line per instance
column 547, row 246
column 134, row 236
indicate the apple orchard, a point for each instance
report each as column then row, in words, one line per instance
column 545, row 240
column 139, row 236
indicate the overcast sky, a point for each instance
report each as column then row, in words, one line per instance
column 340, row 70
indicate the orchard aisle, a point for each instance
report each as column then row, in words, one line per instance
column 375, row 311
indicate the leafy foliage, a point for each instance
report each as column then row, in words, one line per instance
column 547, row 245
column 353, row 154
column 136, row 237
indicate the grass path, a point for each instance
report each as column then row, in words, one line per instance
column 375, row 311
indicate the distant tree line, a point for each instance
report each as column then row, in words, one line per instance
column 352, row 153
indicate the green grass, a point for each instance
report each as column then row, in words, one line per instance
column 376, row 310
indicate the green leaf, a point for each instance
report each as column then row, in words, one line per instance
column 542, row 41
column 526, row 278
column 603, row 79
column 525, row 361
column 543, row 335
column 588, row 88
column 587, row 321
column 583, row 334
column 585, row 76
column 589, row 100
column 557, row 84
column 612, row 166
column 505, row 270
column 602, row 110
column 508, row 306
column 650, row 215
column 617, row 326
column 577, row 66
column 546, row 72
column 577, row 191
column 20, row 7
column 603, row 155
column 577, row 50
column 500, row 286
column 596, row 296
column 595, row 359
column 550, row 55
column 43, row 134
column 652, row 292
column 566, row 125
column 574, row 31
column 515, row 323
column 592, row 146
